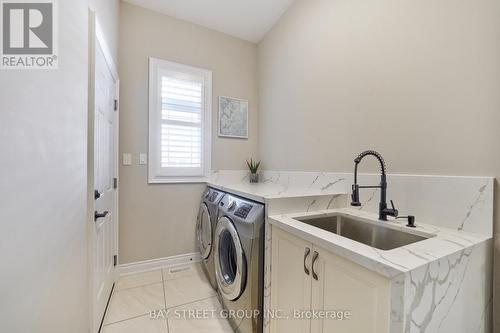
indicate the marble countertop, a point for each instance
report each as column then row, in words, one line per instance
column 261, row 192
column 441, row 243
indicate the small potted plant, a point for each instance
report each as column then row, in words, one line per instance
column 254, row 168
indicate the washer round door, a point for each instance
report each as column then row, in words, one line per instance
column 204, row 231
column 230, row 264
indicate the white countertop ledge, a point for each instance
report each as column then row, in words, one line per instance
column 261, row 192
column 390, row 263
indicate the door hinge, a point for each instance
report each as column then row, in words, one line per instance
column 116, row 105
column 115, row 260
column 115, row 183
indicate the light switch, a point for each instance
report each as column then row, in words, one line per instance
column 143, row 159
column 127, row 159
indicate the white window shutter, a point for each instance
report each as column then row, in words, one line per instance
column 180, row 122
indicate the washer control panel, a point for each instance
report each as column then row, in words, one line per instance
column 243, row 210
column 232, row 205
column 240, row 209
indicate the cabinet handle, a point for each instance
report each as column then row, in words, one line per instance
column 306, row 254
column 98, row 215
column 315, row 256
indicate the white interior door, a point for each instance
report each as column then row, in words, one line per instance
column 105, row 146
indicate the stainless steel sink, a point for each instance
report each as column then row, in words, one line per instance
column 366, row 232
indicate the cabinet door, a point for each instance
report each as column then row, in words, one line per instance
column 345, row 286
column 290, row 285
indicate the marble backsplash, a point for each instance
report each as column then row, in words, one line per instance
column 461, row 203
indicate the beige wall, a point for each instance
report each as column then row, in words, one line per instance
column 159, row 220
column 43, row 240
column 417, row 80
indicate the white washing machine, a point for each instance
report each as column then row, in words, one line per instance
column 239, row 261
column 205, row 228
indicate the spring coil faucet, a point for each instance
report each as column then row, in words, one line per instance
column 383, row 210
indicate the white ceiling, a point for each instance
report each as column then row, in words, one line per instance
column 245, row 19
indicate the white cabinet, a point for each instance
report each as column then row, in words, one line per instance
column 290, row 285
column 344, row 285
column 333, row 285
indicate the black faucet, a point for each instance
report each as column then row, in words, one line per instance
column 383, row 210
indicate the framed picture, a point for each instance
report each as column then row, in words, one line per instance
column 233, row 117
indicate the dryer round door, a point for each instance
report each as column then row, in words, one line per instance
column 204, row 231
column 230, row 264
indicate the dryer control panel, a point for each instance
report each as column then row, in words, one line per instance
column 212, row 195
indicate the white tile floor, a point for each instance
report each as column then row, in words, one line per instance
column 177, row 290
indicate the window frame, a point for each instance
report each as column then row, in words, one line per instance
column 155, row 173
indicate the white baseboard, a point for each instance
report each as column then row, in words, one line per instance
column 149, row 265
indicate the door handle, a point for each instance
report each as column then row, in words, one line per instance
column 97, row 195
column 315, row 257
column 306, row 254
column 98, row 215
